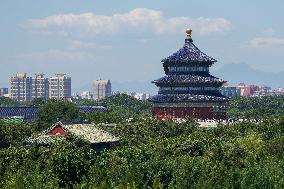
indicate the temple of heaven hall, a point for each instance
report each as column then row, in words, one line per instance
column 188, row 89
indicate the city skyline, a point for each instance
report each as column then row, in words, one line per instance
column 122, row 88
column 113, row 39
column 25, row 88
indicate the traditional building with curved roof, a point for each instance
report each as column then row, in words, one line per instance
column 188, row 89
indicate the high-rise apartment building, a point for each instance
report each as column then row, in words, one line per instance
column 59, row 86
column 20, row 87
column 102, row 89
column 23, row 88
column 40, row 87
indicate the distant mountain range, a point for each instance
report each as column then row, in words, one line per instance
column 237, row 73
column 233, row 73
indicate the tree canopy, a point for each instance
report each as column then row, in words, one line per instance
column 150, row 153
column 58, row 110
column 256, row 107
column 122, row 105
column 8, row 102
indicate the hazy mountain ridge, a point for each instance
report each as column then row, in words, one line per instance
column 237, row 73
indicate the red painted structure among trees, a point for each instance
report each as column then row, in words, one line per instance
column 188, row 89
column 58, row 130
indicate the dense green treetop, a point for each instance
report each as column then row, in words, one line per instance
column 58, row 110
column 8, row 102
column 121, row 104
column 256, row 107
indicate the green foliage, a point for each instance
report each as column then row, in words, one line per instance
column 37, row 102
column 101, row 117
column 14, row 134
column 69, row 164
column 155, row 154
column 55, row 110
column 122, row 105
column 150, row 154
column 256, row 107
column 3, row 141
column 130, row 105
column 8, row 102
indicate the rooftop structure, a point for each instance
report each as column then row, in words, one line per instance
column 31, row 113
column 188, row 89
column 89, row 109
column 28, row 113
column 87, row 132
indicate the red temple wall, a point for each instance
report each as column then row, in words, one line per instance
column 185, row 112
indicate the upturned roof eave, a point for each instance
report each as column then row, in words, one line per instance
column 188, row 82
column 188, row 98
column 166, row 61
column 189, row 101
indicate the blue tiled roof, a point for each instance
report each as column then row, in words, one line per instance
column 189, row 53
column 186, row 98
column 30, row 113
column 89, row 109
column 188, row 79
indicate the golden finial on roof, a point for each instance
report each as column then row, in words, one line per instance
column 188, row 32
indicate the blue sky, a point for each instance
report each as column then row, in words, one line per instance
column 125, row 40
